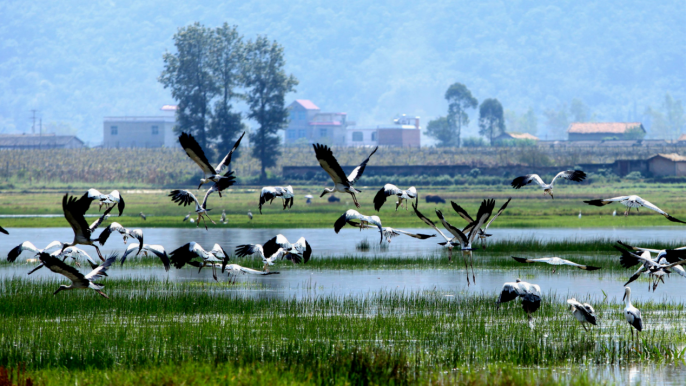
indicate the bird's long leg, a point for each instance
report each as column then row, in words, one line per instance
column 584, row 326
column 102, row 294
column 357, row 204
column 208, row 217
column 466, row 269
column 450, row 255
column 98, row 250
column 201, row 266
column 471, row 263
column 214, row 272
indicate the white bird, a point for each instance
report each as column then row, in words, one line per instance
column 392, row 190
column 309, row 199
column 72, row 252
column 664, row 257
column 342, row 183
column 482, row 232
column 448, row 241
column 465, row 241
column 584, row 313
column 78, row 280
column 235, row 268
column 195, row 152
column 555, row 261
column 223, row 218
column 74, row 210
column 633, row 202
column 156, row 250
column 579, row 214
column 256, row 249
column 143, row 216
column 193, row 254
column 28, row 246
column 113, row 198
column 631, row 313
column 187, row 217
column 389, row 233
column 126, row 233
column 530, row 294
column 655, row 269
column 250, row 215
column 269, row 193
column 572, row 175
column 614, row 213
column 184, row 197
column 300, row 248
column 351, row 214
column 192, row 220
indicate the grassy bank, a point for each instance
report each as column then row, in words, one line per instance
column 381, row 337
column 528, row 209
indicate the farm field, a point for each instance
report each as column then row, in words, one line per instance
column 528, row 209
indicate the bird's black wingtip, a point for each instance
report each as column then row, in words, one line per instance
column 519, row 259
column 591, row 268
column 673, row 219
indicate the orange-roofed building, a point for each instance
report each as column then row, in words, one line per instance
column 599, row 131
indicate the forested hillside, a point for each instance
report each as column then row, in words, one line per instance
column 76, row 62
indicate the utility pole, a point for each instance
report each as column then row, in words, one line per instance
column 33, row 125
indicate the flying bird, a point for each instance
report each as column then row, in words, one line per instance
column 126, row 233
column 482, row 232
column 74, row 210
column 351, row 214
column 389, row 233
column 195, row 152
column 185, row 197
column 392, row 190
column 584, row 313
column 299, row 248
column 655, row 269
column 448, row 241
column 530, row 294
column 269, row 193
column 633, row 202
column 631, row 313
column 342, row 183
column 78, row 280
column 555, row 261
column 664, row 257
column 28, row 246
column 71, row 252
column 235, row 268
column 193, row 254
column 147, row 249
column 572, row 175
column 107, row 200
column 257, row 249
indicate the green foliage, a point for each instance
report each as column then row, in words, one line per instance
column 668, row 123
column 557, row 121
column 267, row 85
column 441, row 130
column 491, row 119
column 459, row 99
column 636, row 175
column 525, row 123
column 634, row 133
column 579, row 111
column 518, row 143
column 474, row 142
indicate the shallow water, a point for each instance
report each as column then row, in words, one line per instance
column 325, row 241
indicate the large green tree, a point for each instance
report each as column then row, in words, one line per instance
column 187, row 73
column 447, row 130
column 491, row 119
column 227, row 57
column 266, row 85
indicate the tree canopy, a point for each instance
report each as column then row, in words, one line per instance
column 491, row 119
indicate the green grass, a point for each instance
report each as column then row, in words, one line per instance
column 528, row 209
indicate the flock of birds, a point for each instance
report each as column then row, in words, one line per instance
column 54, row 255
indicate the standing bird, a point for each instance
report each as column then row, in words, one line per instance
column 633, row 202
column 584, row 313
column 632, row 314
column 351, row 214
column 195, row 152
column 250, row 215
column 572, row 175
column 579, row 214
column 156, row 250
column 555, row 261
column 114, row 198
column 74, row 210
column 269, row 193
column 530, row 294
column 144, row 217
column 187, row 217
column 78, row 280
column 482, row 232
column 309, row 199
column 193, row 254
column 223, row 218
column 614, row 213
column 392, row 190
column 342, row 183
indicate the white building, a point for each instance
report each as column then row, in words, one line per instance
column 403, row 132
column 147, row 132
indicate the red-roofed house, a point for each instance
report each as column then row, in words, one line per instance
column 306, row 121
column 599, row 131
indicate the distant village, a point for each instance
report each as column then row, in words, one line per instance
column 308, row 125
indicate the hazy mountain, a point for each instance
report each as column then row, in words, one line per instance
column 77, row 62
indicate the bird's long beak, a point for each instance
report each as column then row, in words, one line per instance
column 624, row 297
column 58, row 290
column 323, row 193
